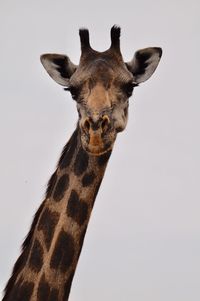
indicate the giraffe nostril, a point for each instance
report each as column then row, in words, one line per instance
column 87, row 125
column 102, row 124
column 105, row 123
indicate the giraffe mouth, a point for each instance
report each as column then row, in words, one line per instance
column 96, row 144
column 96, row 151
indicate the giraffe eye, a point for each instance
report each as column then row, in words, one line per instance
column 128, row 88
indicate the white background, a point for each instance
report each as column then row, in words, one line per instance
column 143, row 240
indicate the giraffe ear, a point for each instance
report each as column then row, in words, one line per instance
column 59, row 67
column 144, row 63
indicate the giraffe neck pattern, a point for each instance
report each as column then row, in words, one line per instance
column 50, row 252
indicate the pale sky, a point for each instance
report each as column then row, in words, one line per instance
column 143, row 239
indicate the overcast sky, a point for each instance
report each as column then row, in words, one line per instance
column 143, row 240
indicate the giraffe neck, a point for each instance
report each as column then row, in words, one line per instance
column 46, row 266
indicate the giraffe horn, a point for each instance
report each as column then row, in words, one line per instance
column 85, row 39
column 115, row 37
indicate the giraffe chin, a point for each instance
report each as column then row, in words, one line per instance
column 97, row 150
column 97, row 144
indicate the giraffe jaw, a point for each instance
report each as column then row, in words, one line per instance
column 95, row 151
column 97, row 147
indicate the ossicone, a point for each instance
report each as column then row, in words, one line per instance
column 85, row 39
column 115, row 37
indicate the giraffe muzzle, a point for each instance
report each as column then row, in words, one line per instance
column 97, row 135
column 102, row 124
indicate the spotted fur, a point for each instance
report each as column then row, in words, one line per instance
column 101, row 86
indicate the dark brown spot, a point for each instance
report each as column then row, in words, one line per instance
column 36, row 257
column 68, row 151
column 53, row 295
column 61, row 187
column 63, row 253
column 47, row 224
column 81, row 162
column 103, row 159
column 20, row 292
column 45, row 292
column 26, row 291
column 76, row 209
column 88, row 179
column 51, row 185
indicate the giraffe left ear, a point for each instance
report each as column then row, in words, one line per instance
column 59, row 67
column 144, row 63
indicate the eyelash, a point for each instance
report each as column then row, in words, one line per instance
column 128, row 88
column 74, row 92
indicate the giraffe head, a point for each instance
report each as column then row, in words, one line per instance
column 101, row 86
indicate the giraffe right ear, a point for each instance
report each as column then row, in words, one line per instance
column 144, row 63
column 59, row 67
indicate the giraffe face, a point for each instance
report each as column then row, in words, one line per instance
column 101, row 86
column 102, row 102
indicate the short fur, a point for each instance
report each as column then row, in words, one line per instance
column 101, row 86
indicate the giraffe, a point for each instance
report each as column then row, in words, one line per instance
column 101, row 86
